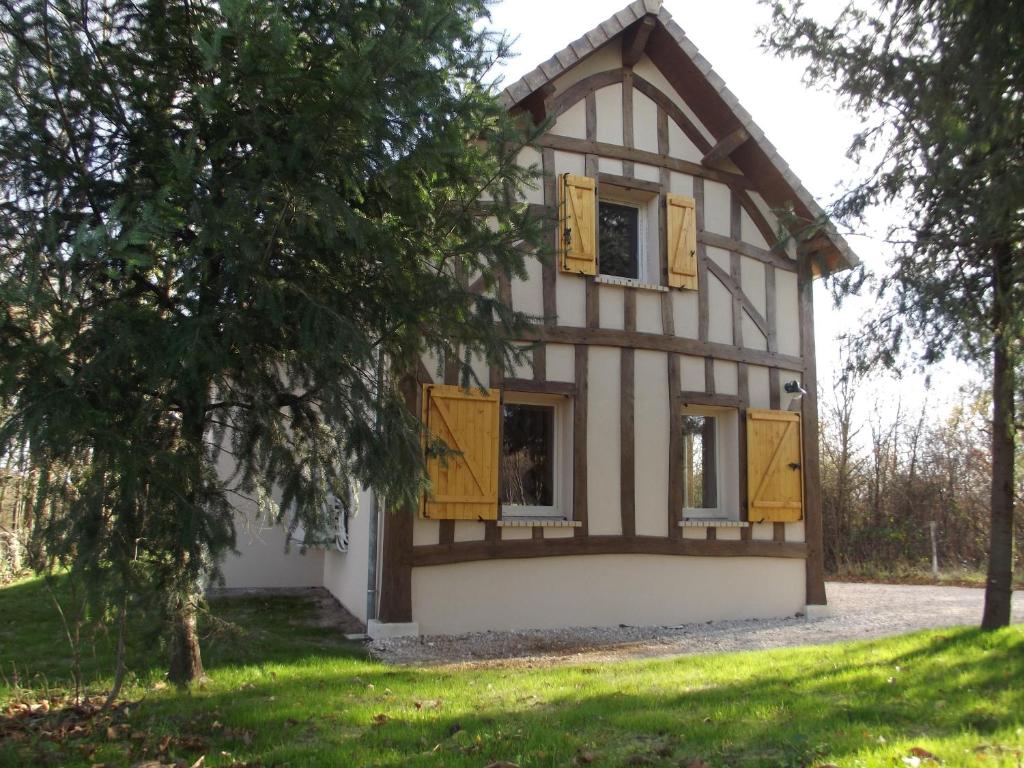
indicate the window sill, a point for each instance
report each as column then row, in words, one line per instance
column 713, row 523
column 625, row 282
column 538, row 522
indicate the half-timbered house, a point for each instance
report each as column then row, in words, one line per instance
column 657, row 460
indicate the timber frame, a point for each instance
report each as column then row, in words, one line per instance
column 738, row 154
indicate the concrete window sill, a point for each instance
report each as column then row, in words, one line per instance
column 538, row 522
column 626, row 282
column 713, row 524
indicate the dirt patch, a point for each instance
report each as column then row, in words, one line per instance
column 329, row 613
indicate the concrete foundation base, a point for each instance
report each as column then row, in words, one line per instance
column 378, row 630
column 818, row 611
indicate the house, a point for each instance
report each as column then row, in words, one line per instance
column 657, row 463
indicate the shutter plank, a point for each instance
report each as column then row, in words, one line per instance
column 681, row 223
column 774, row 466
column 577, row 196
column 467, row 488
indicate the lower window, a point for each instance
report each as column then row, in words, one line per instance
column 700, row 462
column 710, row 448
column 535, row 456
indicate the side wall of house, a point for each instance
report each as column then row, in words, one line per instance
column 262, row 559
column 345, row 573
column 629, row 359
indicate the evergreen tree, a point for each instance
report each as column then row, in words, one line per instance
column 223, row 223
column 940, row 84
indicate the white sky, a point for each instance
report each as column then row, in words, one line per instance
column 808, row 128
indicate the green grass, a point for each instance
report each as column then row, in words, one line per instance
column 282, row 692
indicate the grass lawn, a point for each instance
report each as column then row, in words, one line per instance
column 284, row 692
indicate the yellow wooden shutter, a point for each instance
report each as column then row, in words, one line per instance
column 577, row 224
column 681, row 223
column 775, row 477
column 465, row 486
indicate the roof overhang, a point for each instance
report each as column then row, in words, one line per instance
column 647, row 28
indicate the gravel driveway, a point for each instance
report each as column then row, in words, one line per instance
column 859, row 611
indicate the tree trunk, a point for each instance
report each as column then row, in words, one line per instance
column 186, row 664
column 998, row 586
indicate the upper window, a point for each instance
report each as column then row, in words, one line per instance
column 536, row 455
column 622, row 232
column 619, row 240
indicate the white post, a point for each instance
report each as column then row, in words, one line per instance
column 935, row 550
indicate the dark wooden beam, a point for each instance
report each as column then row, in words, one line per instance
column 628, row 182
column 535, row 386
column 725, row 147
column 703, row 398
column 743, row 301
column 675, row 450
column 627, row 119
column 739, row 303
column 759, row 254
column 396, row 547
column 538, row 103
column 658, row 342
column 809, row 435
column 548, row 274
column 600, row 545
column 634, row 40
column 617, row 152
column 579, row 443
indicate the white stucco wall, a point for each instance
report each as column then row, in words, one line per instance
column 262, row 561
column 603, row 590
column 651, row 421
column 344, row 573
column 603, row 431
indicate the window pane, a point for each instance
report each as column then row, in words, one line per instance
column 527, row 455
column 618, row 239
column 700, row 483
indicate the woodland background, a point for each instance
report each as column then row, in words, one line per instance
column 889, row 469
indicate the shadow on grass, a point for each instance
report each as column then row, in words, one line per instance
column 283, row 691
column 35, row 653
column 780, row 708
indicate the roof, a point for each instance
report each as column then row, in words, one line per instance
column 717, row 107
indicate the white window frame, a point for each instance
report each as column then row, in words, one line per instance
column 727, row 458
column 561, row 471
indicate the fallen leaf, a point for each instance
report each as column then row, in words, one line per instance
column 200, row 762
column 924, row 754
column 586, row 757
column 116, row 732
column 380, row 719
column 502, row 764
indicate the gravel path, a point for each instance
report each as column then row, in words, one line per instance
column 859, row 611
